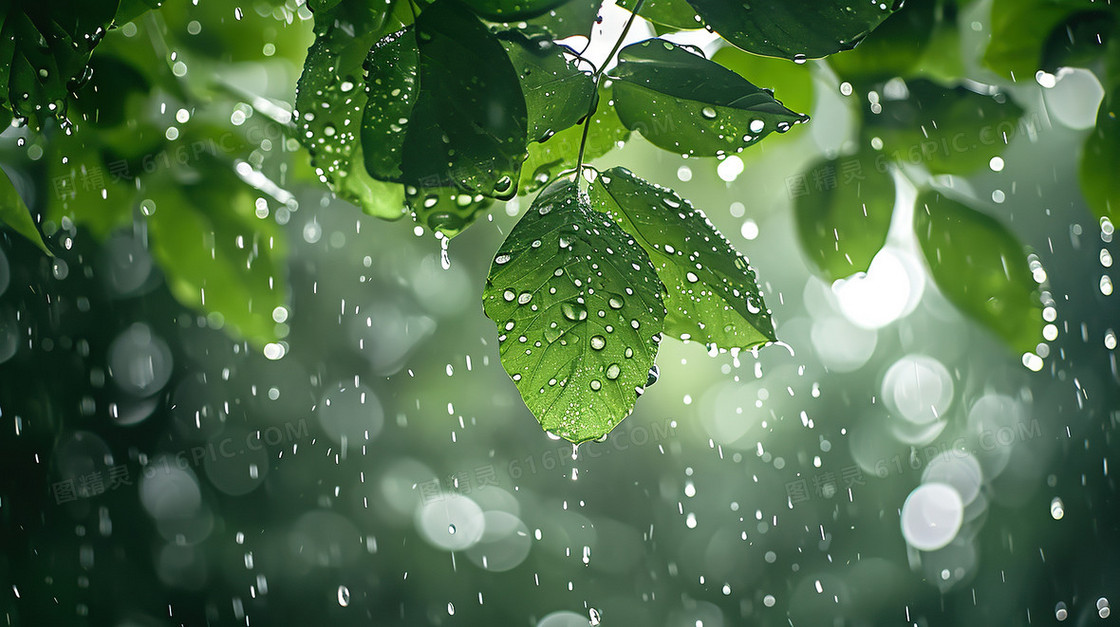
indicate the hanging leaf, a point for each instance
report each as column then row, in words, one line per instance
column 15, row 214
column 793, row 30
column 843, row 213
column 980, row 267
column 683, row 102
column 559, row 153
column 579, row 313
column 448, row 211
column 948, row 130
column 1099, row 182
column 675, row 14
column 557, row 95
column 444, row 106
column 329, row 105
column 216, row 254
column 713, row 297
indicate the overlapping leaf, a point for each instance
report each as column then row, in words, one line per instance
column 579, row 313
column 444, row 106
column 981, row 268
column 557, row 95
column 713, row 296
column 1099, row 159
column 14, row 213
column 677, row 14
column 793, row 30
column 683, row 102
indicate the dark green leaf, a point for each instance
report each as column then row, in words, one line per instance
column 557, row 95
column 114, row 85
column 579, row 312
column 216, row 254
column 132, row 9
column 981, row 268
column 573, row 17
column 507, row 10
column 448, row 211
column 793, row 30
column 1099, row 159
column 444, row 107
column 560, row 152
column 713, row 296
column 44, row 48
column 895, row 47
column 1078, row 41
column 843, row 213
column 329, row 105
column 948, row 130
column 1019, row 30
column 677, row 14
column 685, row 103
column 15, row 215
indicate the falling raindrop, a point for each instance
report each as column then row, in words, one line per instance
column 343, row 596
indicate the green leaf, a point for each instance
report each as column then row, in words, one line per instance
column 713, row 297
column 1019, row 30
column 216, row 254
column 794, row 83
column 448, row 211
column 895, row 47
column 948, row 130
column 793, row 30
column 579, row 312
column 843, row 213
column 444, row 106
column 44, row 49
column 15, row 214
column 132, row 9
column 560, row 152
column 685, row 103
column 329, row 105
column 677, row 14
column 573, row 17
column 556, row 94
column 508, row 10
column 1078, row 41
column 114, row 93
column 980, row 267
column 1099, row 181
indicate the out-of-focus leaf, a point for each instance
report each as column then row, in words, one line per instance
column 947, row 130
column 1099, row 158
column 675, row 14
column 713, row 296
column 559, row 153
column 448, row 211
column 15, row 214
column 44, row 48
column 458, row 119
column 579, row 313
column 792, row 84
column 793, row 30
column 843, row 214
column 507, row 10
column 556, row 94
column 216, row 254
column 1079, row 40
column 574, row 17
column 893, row 48
column 1019, row 30
column 685, row 103
column 105, row 99
column 981, row 268
column 329, row 104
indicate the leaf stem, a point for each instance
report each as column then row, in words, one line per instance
column 598, row 75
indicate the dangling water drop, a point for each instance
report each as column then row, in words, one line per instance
column 444, row 258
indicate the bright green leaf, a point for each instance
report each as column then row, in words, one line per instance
column 1099, row 159
column 793, row 30
column 557, row 95
column 216, row 254
column 329, row 105
column 981, row 268
column 448, row 211
column 579, row 312
column 843, row 214
column 713, row 297
column 676, row 14
column 792, row 82
column 560, row 152
column 685, row 103
column 1019, row 30
column 15, row 214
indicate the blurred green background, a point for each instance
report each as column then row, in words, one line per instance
column 898, row 464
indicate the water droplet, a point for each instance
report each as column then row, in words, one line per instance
column 613, row 371
column 596, row 385
column 503, row 185
column 451, row 529
column 799, row 59
column 524, row 297
column 708, row 112
column 692, row 278
column 757, row 126
column 593, row 616
column 450, row 609
column 1057, row 509
column 343, row 596
column 598, row 342
column 501, row 259
column 615, row 301
column 573, row 311
column 509, row 295
column 654, row 375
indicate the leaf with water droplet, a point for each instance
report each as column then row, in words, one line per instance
column 15, row 214
column 329, row 114
column 676, row 14
column 568, row 361
column 572, row 17
column 980, row 267
column 724, row 306
column 507, row 10
column 437, row 117
column 779, row 28
column 842, row 225
column 685, row 103
column 557, row 95
column 446, row 210
column 897, row 45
